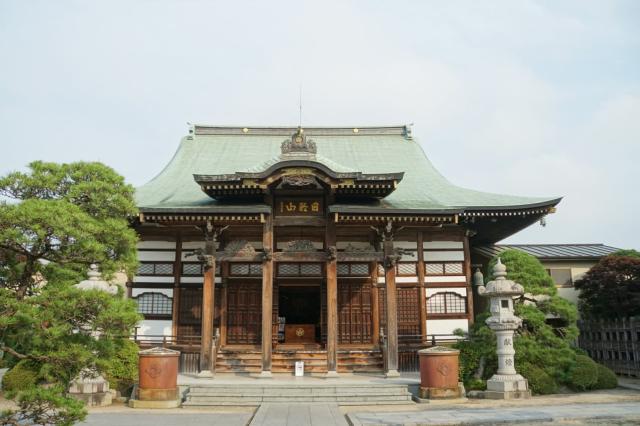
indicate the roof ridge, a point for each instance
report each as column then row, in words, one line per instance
column 398, row 130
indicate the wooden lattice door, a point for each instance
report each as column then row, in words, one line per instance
column 408, row 305
column 354, row 312
column 244, row 313
column 408, row 311
column 190, row 312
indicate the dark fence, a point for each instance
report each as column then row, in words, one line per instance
column 614, row 343
column 189, row 347
column 409, row 345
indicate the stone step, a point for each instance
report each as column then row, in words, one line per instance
column 280, row 390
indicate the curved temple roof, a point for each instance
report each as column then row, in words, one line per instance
column 371, row 150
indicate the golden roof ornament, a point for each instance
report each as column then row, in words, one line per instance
column 298, row 144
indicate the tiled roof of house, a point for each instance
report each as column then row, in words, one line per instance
column 551, row 251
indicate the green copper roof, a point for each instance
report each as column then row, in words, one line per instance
column 226, row 150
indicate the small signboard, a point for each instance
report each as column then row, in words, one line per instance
column 299, row 368
column 295, row 206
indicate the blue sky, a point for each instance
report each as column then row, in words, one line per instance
column 524, row 97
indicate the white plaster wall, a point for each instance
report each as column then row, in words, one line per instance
column 446, row 326
column 152, row 279
column 446, row 279
column 442, row 245
column 156, row 256
column 440, row 256
column 154, row 328
column 409, row 245
column 569, row 293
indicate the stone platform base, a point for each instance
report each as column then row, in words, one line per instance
column 136, row 403
column 96, row 399
column 441, row 393
column 507, row 387
column 507, row 395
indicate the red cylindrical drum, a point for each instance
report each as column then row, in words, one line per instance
column 439, row 372
column 158, row 374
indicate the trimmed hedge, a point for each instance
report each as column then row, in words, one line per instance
column 584, row 374
column 606, row 378
column 540, row 382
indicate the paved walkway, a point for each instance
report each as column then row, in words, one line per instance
column 467, row 416
column 163, row 418
column 299, row 415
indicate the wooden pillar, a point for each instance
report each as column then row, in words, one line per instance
column 467, row 273
column 375, row 304
column 224, row 272
column 177, row 271
column 267, row 296
column 332, row 301
column 392, row 310
column 208, row 304
column 421, row 286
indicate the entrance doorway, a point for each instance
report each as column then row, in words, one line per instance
column 298, row 314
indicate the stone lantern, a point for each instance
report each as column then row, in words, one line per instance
column 90, row 386
column 506, row 383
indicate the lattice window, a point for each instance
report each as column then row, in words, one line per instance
column 434, row 268
column 353, row 269
column 310, row 269
column 359, row 269
column 380, row 270
column 446, row 303
column 145, row 269
column 191, row 269
column 154, row 304
column 299, row 269
column 407, row 268
column 252, row 269
column 155, row 268
column 239, row 269
column 164, row 268
column 343, row 269
column 453, row 268
column 288, row 269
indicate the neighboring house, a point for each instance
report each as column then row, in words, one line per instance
column 566, row 263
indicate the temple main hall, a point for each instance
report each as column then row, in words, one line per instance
column 342, row 247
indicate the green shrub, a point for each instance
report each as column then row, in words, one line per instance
column 21, row 377
column 606, row 378
column 540, row 382
column 475, row 384
column 121, row 369
column 584, row 374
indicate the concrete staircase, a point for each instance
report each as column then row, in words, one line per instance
column 208, row 395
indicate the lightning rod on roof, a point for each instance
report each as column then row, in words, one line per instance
column 300, row 105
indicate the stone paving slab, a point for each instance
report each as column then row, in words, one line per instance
column 298, row 415
column 508, row 415
column 169, row 419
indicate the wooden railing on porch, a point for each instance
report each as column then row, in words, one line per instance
column 189, row 347
column 409, row 345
